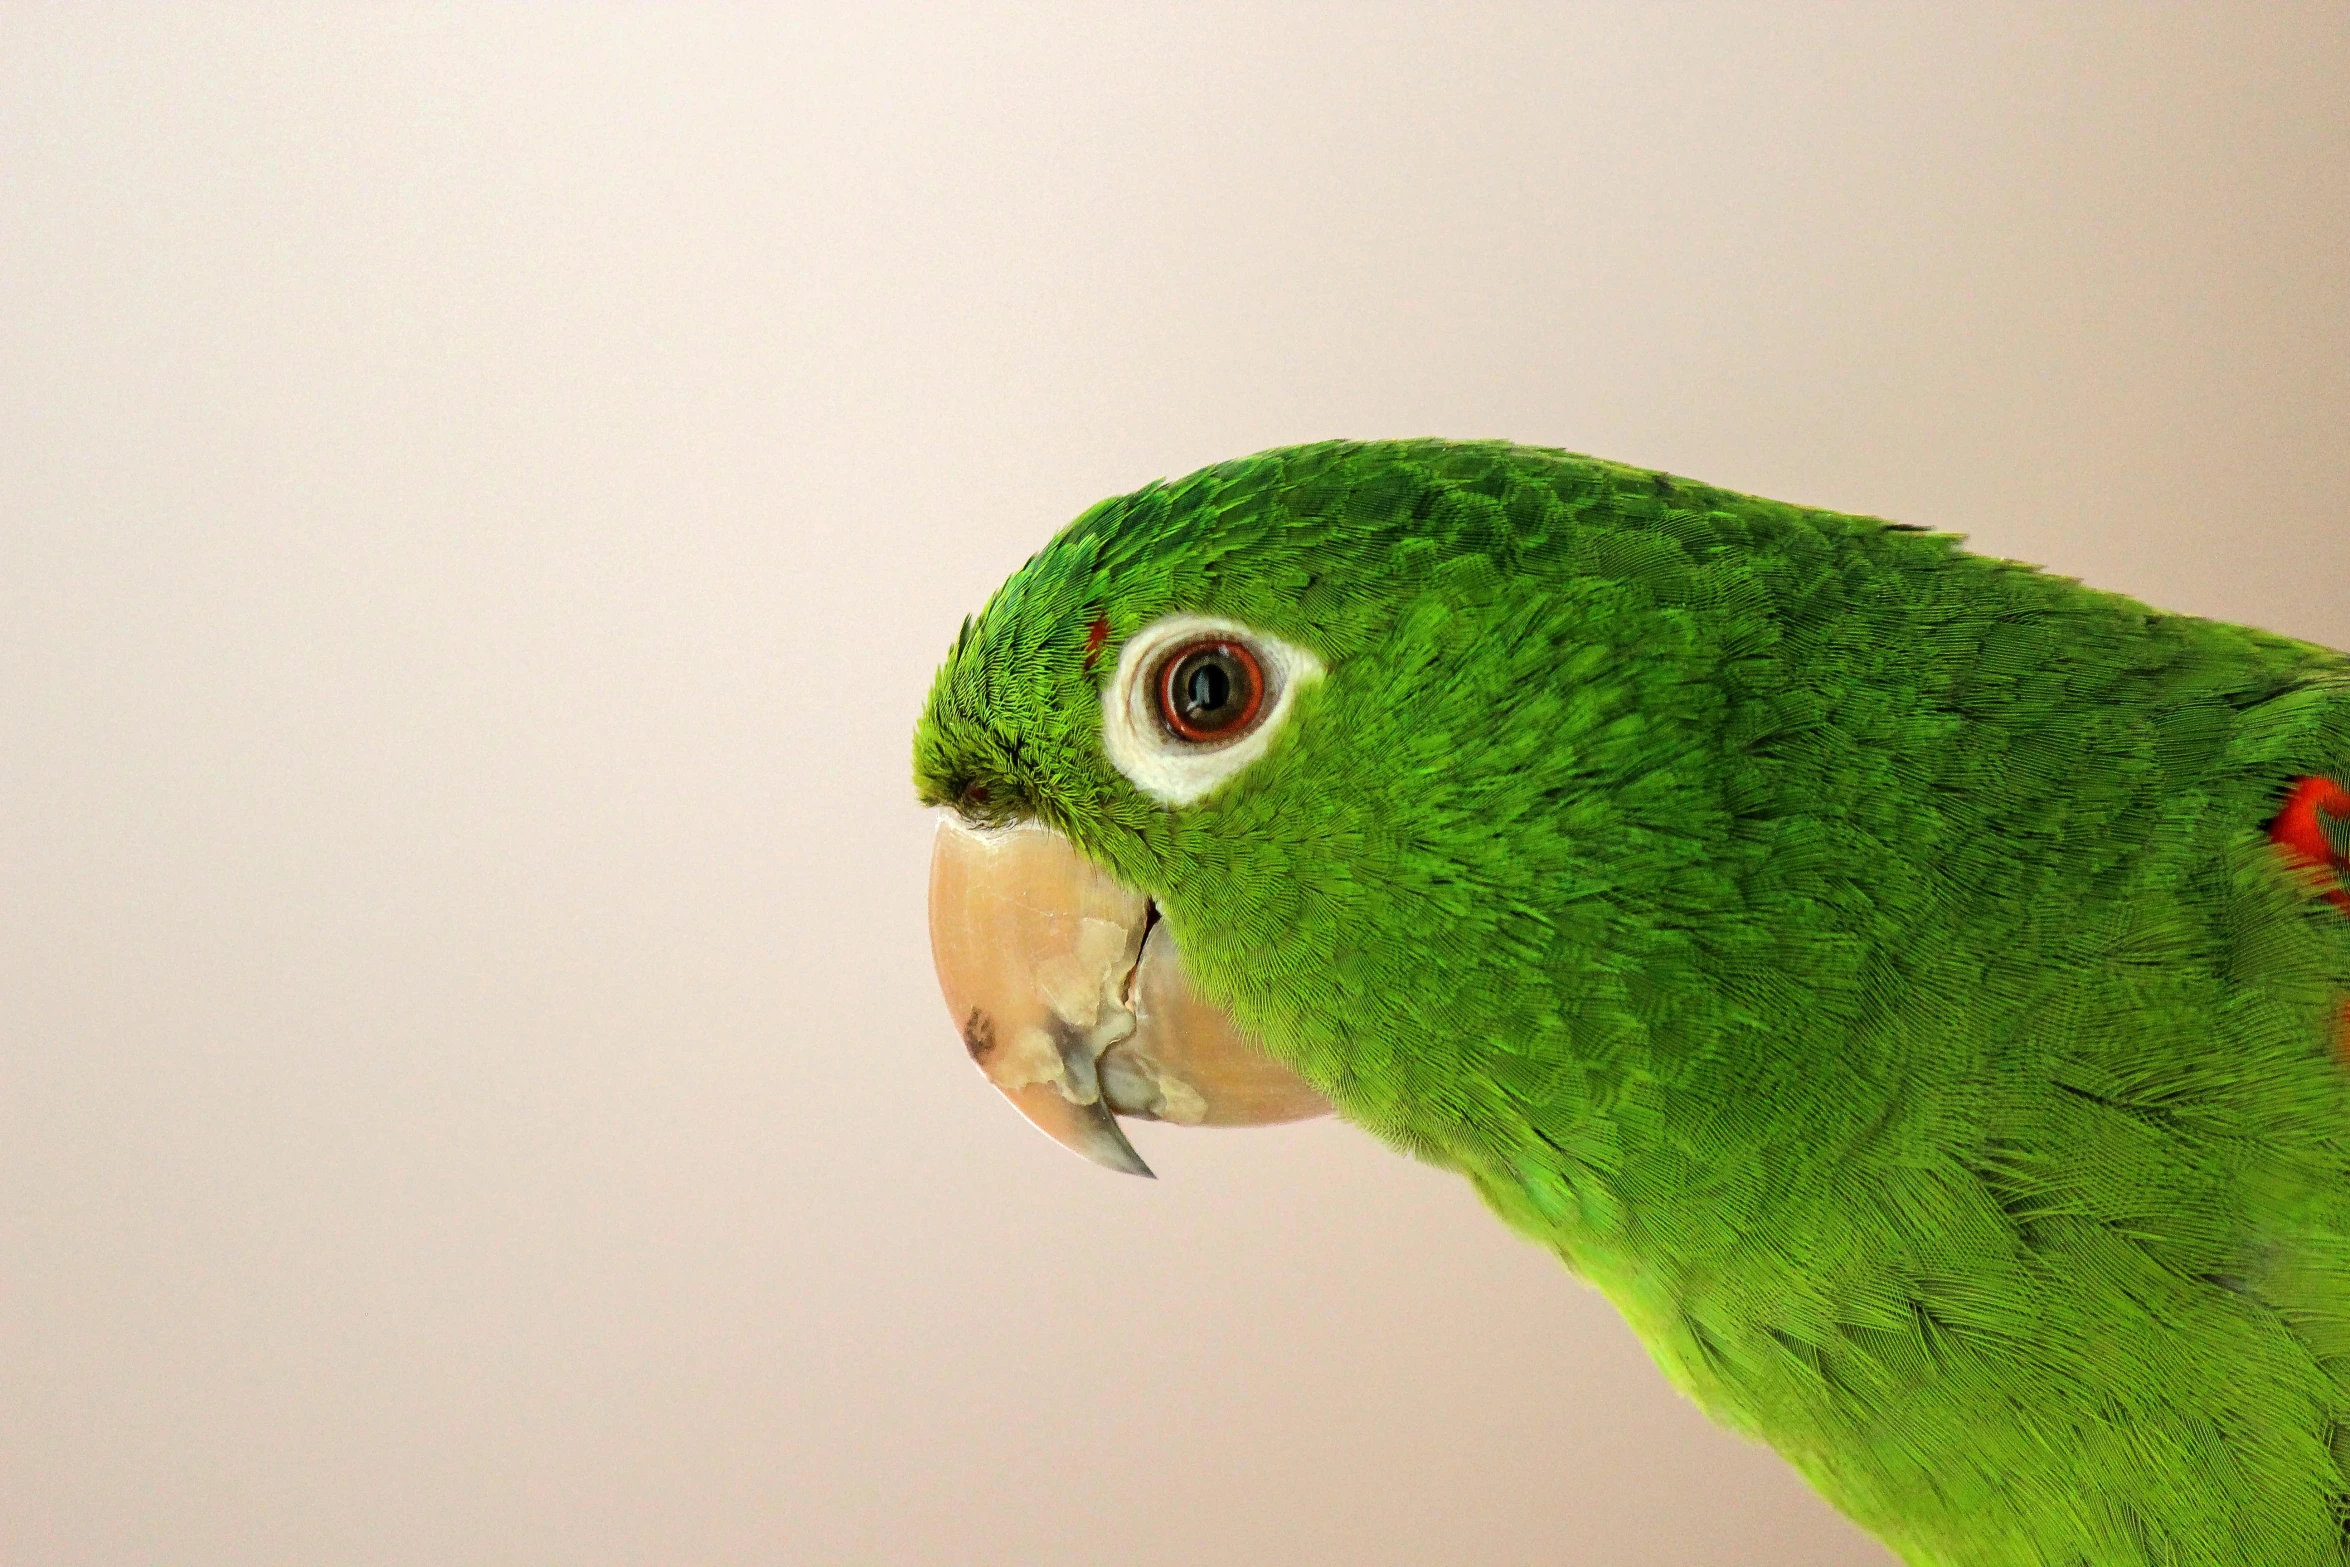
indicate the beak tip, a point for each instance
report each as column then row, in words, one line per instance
column 1088, row 1130
column 1099, row 1139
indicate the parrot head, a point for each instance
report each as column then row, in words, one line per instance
column 1119, row 721
column 1223, row 776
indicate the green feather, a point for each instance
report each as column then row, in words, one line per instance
column 1863, row 960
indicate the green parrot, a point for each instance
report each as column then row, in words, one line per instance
column 1910, row 985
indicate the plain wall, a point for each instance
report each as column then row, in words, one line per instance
column 482, row 492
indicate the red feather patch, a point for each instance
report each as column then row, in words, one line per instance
column 2299, row 830
column 1096, row 635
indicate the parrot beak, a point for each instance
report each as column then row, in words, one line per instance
column 1073, row 1001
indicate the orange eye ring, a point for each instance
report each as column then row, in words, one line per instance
column 1209, row 690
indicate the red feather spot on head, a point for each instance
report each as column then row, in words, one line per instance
column 1096, row 635
column 2298, row 830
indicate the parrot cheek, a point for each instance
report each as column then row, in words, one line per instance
column 1073, row 1002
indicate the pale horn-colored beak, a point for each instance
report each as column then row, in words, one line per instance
column 1073, row 1000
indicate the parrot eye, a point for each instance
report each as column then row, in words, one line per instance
column 1210, row 690
column 1195, row 699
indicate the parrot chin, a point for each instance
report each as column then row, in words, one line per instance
column 1072, row 999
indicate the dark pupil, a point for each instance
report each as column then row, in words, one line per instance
column 1211, row 689
column 1208, row 689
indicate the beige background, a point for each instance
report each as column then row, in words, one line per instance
column 481, row 493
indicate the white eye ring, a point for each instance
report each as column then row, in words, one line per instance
column 1174, row 771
